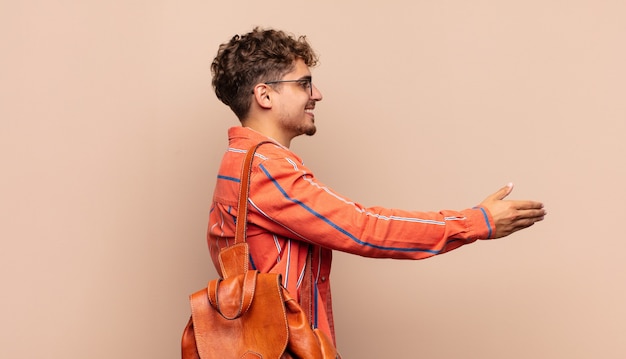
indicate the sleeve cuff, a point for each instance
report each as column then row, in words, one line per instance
column 482, row 223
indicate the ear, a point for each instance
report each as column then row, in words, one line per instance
column 262, row 96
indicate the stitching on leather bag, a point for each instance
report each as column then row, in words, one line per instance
column 209, row 287
column 255, row 273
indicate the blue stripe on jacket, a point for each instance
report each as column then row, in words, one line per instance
column 335, row 226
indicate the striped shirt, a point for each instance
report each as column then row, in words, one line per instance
column 290, row 211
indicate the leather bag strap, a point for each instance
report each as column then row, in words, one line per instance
column 234, row 259
column 240, row 233
column 244, row 191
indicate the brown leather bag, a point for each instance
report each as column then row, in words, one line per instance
column 247, row 314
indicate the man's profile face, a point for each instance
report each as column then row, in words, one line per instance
column 295, row 102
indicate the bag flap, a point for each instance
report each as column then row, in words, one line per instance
column 262, row 329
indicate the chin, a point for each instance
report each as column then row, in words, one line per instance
column 311, row 131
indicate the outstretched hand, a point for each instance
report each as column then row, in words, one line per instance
column 510, row 216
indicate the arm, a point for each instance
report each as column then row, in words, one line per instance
column 286, row 199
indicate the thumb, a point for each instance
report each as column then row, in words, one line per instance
column 503, row 192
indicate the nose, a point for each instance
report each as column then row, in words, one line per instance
column 317, row 94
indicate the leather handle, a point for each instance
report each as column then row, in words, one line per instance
column 244, row 191
column 247, row 294
column 240, row 233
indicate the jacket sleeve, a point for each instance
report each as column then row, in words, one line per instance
column 286, row 199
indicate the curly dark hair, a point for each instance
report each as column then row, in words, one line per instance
column 258, row 56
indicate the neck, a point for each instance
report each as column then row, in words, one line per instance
column 268, row 131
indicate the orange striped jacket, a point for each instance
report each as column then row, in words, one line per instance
column 290, row 211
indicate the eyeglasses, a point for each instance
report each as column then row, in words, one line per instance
column 306, row 83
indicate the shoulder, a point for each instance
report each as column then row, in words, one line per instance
column 273, row 151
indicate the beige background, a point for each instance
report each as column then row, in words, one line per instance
column 111, row 135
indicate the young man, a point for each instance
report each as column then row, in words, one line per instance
column 264, row 76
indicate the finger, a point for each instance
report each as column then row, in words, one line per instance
column 503, row 192
column 523, row 205
column 521, row 224
column 526, row 220
column 515, row 214
column 533, row 214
